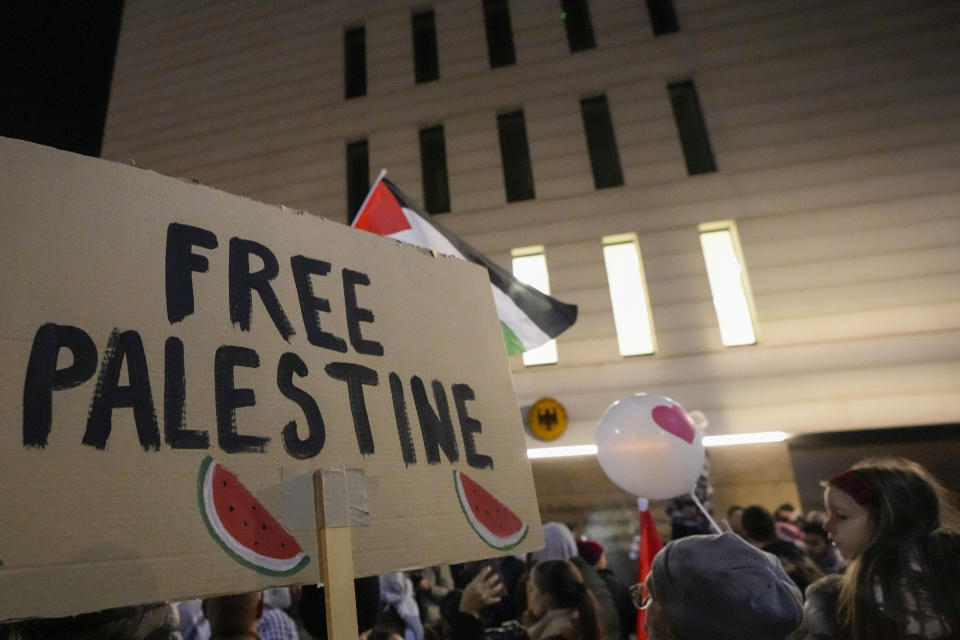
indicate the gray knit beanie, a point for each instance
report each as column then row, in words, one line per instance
column 719, row 587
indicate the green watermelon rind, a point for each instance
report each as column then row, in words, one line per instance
column 204, row 466
column 466, row 514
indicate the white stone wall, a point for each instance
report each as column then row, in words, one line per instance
column 836, row 130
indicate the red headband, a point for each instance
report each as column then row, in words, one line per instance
column 857, row 485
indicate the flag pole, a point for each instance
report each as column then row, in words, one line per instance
column 373, row 187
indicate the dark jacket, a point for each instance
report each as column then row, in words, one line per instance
column 624, row 603
column 801, row 569
column 607, row 613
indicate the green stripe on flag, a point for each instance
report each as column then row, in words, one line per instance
column 514, row 346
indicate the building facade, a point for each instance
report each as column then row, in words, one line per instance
column 827, row 131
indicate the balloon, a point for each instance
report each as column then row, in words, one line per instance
column 648, row 445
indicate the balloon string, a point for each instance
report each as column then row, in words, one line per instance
column 696, row 501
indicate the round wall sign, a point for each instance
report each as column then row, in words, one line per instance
column 548, row 419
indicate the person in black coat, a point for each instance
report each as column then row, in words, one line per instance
column 594, row 555
column 761, row 532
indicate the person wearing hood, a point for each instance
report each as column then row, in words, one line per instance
column 719, row 587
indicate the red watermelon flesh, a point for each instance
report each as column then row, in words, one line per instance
column 247, row 520
column 243, row 527
column 493, row 521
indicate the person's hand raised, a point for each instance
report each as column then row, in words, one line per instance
column 484, row 590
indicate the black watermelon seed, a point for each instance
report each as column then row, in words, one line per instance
column 264, row 527
column 244, row 524
column 231, row 507
column 224, row 483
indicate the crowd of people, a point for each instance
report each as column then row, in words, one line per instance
column 881, row 561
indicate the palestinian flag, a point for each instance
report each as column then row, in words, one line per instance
column 528, row 317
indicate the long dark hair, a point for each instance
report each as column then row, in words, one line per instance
column 563, row 584
column 912, row 558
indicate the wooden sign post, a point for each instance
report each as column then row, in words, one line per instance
column 336, row 553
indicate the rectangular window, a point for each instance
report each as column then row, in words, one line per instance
column 601, row 143
column 496, row 18
column 433, row 167
column 358, row 176
column 663, row 17
column 425, row 62
column 576, row 18
column 515, row 155
column 729, row 284
column 354, row 62
column 628, row 295
column 693, row 130
column 530, row 267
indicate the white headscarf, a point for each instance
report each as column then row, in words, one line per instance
column 396, row 590
column 559, row 543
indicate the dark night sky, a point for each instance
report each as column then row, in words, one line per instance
column 56, row 60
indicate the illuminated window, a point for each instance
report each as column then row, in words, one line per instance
column 530, row 267
column 729, row 284
column 628, row 294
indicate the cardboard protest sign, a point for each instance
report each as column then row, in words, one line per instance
column 176, row 362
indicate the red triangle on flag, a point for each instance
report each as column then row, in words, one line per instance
column 381, row 213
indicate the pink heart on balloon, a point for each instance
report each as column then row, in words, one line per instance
column 674, row 420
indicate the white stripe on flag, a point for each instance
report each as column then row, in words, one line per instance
column 423, row 234
column 519, row 322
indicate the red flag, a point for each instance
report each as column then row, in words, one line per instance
column 650, row 544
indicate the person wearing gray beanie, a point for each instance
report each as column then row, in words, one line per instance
column 719, row 587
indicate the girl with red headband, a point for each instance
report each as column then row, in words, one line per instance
column 898, row 529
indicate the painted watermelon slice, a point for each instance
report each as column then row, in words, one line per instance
column 243, row 526
column 496, row 525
